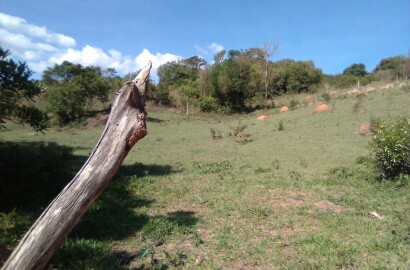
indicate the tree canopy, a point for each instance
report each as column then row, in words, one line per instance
column 73, row 89
column 358, row 70
column 17, row 93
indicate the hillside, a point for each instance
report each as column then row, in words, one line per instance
column 285, row 192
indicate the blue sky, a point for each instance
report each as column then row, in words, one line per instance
column 126, row 34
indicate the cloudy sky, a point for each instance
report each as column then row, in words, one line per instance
column 126, row 34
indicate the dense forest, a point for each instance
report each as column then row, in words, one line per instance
column 236, row 81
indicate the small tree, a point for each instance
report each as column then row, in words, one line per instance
column 87, row 80
column 16, row 91
column 66, row 102
column 358, row 70
column 268, row 51
column 390, row 146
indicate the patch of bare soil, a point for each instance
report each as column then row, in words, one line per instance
column 322, row 108
column 284, row 109
column 289, row 230
column 325, row 205
column 262, row 117
column 364, row 128
column 292, row 198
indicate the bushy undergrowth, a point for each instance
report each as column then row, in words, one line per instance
column 84, row 254
column 32, row 174
column 390, row 146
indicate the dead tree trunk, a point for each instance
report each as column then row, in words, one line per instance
column 125, row 126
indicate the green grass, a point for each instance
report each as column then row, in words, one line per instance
column 289, row 199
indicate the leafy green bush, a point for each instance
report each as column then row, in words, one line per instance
column 293, row 104
column 281, row 126
column 390, row 146
column 32, row 174
column 67, row 103
column 207, row 104
column 213, row 167
column 84, row 254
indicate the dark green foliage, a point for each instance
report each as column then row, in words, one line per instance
column 341, row 80
column 393, row 67
column 296, row 77
column 213, row 167
column 231, row 85
column 357, row 70
column 74, row 89
column 181, row 76
column 390, row 147
column 340, row 172
column 31, row 175
column 281, row 126
column 66, row 102
column 325, row 96
column 293, row 104
column 84, row 254
column 16, row 88
column 207, row 104
column 161, row 96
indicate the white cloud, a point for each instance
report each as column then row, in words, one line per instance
column 41, row 48
column 19, row 43
column 124, row 64
column 211, row 49
column 215, row 47
column 157, row 59
column 201, row 50
column 21, row 26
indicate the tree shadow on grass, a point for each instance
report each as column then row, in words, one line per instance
column 31, row 176
column 157, row 230
column 154, row 120
column 113, row 216
column 140, row 170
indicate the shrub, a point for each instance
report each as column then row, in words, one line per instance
column 390, row 147
column 239, row 129
column 67, row 103
column 207, row 104
column 293, row 104
column 215, row 134
column 281, row 126
column 325, row 96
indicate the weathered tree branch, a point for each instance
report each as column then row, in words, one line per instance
column 125, row 126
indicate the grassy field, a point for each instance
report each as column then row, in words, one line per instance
column 286, row 193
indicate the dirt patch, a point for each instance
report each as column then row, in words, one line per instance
column 284, row 109
column 364, row 128
column 288, row 230
column 322, row 108
column 293, row 198
column 329, row 206
column 285, row 202
column 262, row 117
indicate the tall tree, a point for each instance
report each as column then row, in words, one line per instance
column 296, row 76
column 72, row 86
column 358, row 70
column 268, row 51
column 394, row 66
column 16, row 90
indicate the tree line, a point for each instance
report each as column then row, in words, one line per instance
column 235, row 81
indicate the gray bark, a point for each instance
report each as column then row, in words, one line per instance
column 125, row 126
